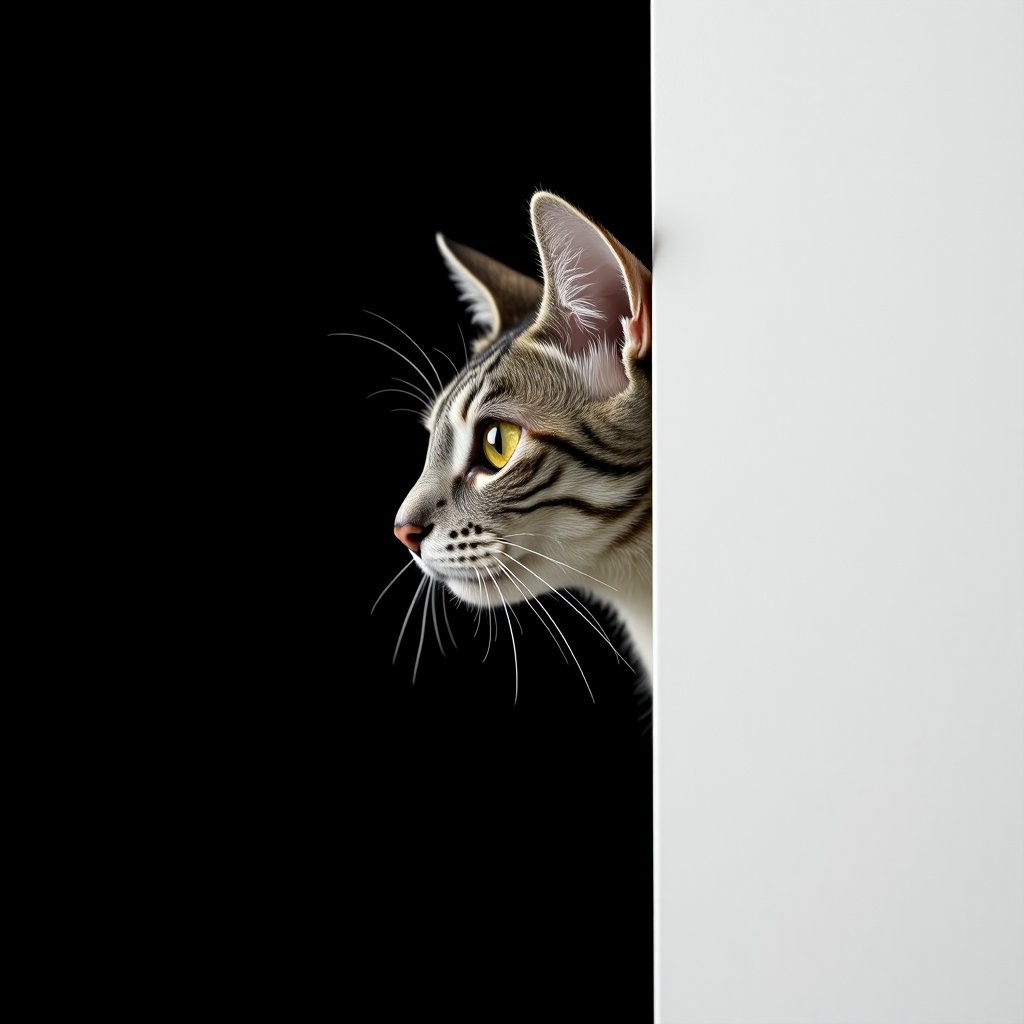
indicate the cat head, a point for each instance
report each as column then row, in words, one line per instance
column 538, row 467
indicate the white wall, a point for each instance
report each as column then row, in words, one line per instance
column 839, row 332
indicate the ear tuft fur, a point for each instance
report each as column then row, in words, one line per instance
column 596, row 293
column 497, row 297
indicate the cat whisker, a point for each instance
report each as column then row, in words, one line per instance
column 423, row 631
column 567, row 644
column 448, row 357
column 569, row 595
column 396, row 391
column 558, row 542
column 433, row 612
column 412, row 604
column 440, row 383
column 405, row 567
column 511, row 635
column 547, row 536
column 479, row 607
column 383, row 344
column 465, row 351
column 529, row 604
column 564, row 565
column 490, row 617
column 426, row 398
column 516, row 617
column 444, row 608
column 558, row 593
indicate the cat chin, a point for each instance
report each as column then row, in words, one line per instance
column 481, row 592
column 473, row 591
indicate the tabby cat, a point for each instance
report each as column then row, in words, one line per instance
column 538, row 469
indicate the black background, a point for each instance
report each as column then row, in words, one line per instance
column 432, row 846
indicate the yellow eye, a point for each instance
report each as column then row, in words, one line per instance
column 500, row 440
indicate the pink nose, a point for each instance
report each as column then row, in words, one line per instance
column 410, row 535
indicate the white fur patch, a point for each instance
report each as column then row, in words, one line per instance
column 571, row 284
column 478, row 300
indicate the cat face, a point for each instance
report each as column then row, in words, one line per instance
column 538, row 473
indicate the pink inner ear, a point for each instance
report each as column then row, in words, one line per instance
column 587, row 283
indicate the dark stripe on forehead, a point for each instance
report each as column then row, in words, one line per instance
column 450, row 393
column 499, row 346
column 585, row 458
column 493, row 394
column 442, row 399
column 482, row 363
column 471, row 392
column 475, row 372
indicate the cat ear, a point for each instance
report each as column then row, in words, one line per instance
column 595, row 290
column 497, row 296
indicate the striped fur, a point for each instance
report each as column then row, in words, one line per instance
column 573, row 504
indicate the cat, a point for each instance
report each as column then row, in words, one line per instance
column 538, row 468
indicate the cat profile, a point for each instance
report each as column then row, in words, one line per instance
column 538, row 468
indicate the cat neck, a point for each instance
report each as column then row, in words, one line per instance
column 629, row 572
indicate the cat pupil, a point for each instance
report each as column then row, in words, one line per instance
column 494, row 439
